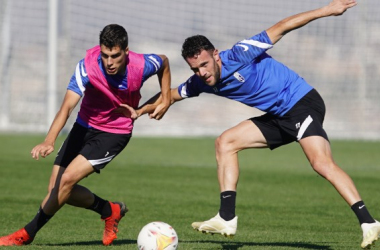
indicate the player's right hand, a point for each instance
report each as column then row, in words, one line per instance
column 44, row 149
column 159, row 111
column 338, row 7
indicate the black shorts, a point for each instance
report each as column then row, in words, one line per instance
column 98, row 147
column 304, row 119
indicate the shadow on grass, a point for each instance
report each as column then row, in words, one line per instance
column 237, row 245
column 224, row 245
column 92, row 243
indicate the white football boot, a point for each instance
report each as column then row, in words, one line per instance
column 371, row 232
column 217, row 225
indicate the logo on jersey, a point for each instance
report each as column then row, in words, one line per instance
column 245, row 47
column 239, row 77
column 215, row 89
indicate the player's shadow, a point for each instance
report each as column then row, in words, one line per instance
column 92, row 243
column 224, row 245
column 236, row 245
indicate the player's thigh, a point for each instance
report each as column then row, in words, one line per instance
column 103, row 147
column 244, row 135
column 78, row 169
column 316, row 148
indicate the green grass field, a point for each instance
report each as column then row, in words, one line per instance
column 282, row 203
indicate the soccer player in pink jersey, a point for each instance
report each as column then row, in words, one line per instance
column 108, row 76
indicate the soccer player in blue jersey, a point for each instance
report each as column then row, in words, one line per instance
column 109, row 75
column 294, row 112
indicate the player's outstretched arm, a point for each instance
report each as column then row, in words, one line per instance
column 47, row 146
column 151, row 105
column 158, row 104
column 164, row 78
column 154, row 103
column 334, row 8
column 147, row 108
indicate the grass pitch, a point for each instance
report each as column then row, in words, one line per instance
column 281, row 202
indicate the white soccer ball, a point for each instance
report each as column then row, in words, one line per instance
column 157, row 236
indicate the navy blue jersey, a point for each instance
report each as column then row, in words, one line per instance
column 79, row 81
column 250, row 76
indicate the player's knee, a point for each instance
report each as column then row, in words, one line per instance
column 67, row 181
column 324, row 167
column 224, row 144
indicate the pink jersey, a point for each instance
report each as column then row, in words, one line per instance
column 100, row 101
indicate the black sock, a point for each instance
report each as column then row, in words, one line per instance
column 37, row 223
column 362, row 213
column 101, row 206
column 227, row 205
column 107, row 211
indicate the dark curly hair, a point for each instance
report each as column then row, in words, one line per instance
column 194, row 45
column 114, row 35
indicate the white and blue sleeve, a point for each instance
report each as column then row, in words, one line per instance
column 79, row 80
column 249, row 49
column 190, row 88
column 153, row 64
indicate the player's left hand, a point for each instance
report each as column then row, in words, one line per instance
column 127, row 110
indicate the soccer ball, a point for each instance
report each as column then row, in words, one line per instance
column 157, row 236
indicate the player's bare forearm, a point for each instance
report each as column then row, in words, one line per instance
column 164, row 77
column 334, row 8
column 47, row 146
column 149, row 106
column 56, row 127
column 162, row 103
column 156, row 102
column 175, row 97
column 69, row 102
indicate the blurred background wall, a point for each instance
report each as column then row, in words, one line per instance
column 339, row 56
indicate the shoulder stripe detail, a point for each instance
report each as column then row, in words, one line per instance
column 78, row 78
column 84, row 74
column 154, row 62
column 257, row 44
column 183, row 91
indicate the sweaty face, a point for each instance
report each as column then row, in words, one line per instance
column 114, row 59
column 206, row 65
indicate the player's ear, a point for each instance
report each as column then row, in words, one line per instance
column 126, row 50
column 216, row 55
